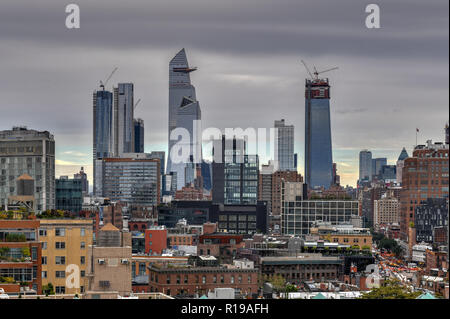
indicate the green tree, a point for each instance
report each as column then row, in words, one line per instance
column 278, row 282
column 48, row 289
column 391, row 289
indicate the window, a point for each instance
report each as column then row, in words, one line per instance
column 60, row 260
column 44, row 274
column 44, row 245
column 232, row 279
column 60, row 289
column 42, row 232
column 82, row 245
column 168, row 279
column 82, row 260
column 60, row 274
column 82, row 273
column 44, row 260
column 34, row 253
column 60, row 232
column 82, row 232
column 60, row 245
column 203, row 279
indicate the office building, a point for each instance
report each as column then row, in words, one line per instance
column 365, row 165
column 298, row 215
column 377, row 164
column 131, row 180
column 84, row 181
column 31, row 152
column 65, row 242
column 138, row 135
column 265, row 185
column 103, row 129
column 184, row 109
column 388, row 173
column 69, row 194
column 318, row 146
column 285, row 146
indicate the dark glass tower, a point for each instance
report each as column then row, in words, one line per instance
column 318, row 152
column 139, row 136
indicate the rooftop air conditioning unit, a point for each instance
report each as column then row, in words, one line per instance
column 124, row 261
column 101, row 261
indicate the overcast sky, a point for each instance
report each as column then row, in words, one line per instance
column 390, row 80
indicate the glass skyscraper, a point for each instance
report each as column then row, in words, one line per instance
column 318, row 152
column 184, row 109
column 285, row 146
column 365, row 165
column 139, row 136
column 103, row 124
column 124, row 118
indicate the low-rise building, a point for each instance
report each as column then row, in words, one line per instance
column 343, row 234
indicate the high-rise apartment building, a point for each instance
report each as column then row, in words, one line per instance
column 318, row 147
column 285, row 146
column 25, row 151
column 377, row 164
column 138, row 136
column 184, row 111
column 432, row 214
column 425, row 175
column 365, row 165
column 386, row 211
column 124, row 118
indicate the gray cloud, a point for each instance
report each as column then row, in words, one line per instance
column 389, row 81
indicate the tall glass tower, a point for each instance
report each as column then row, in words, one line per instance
column 184, row 109
column 318, row 152
column 285, row 147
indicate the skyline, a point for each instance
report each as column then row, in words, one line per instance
column 235, row 65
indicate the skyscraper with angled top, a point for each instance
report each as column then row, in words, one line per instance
column 318, row 153
column 184, row 111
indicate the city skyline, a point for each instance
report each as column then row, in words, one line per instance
column 257, row 78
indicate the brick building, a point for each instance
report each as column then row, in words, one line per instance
column 155, row 240
column 20, row 255
column 222, row 246
column 424, row 175
column 190, row 280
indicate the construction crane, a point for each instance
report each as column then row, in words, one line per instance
column 102, row 84
column 136, row 104
column 316, row 73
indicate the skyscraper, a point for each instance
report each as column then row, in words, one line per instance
column 123, row 118
column 84, row 181
column 365, row 165
column 400, row 163
column 103, row 124
column 318, row 151
column 377, row 164
column 285, row 146
column 139, row 136
column 184, row 109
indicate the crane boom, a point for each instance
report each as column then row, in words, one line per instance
column 102, row 84
column 307, row 69
column 136, row 104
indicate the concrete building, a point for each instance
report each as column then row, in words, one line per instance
column 265, row 185
column 65, row 242
column 345, row 234
column 284, row 158
column 123, row 119
column 386, row 211
column 400, row 163
column 109, row 265
column 31, row 152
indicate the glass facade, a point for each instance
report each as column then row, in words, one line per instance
column 297, row 217
column 132, row 181
column 318, row 150
column 103, row 124
column 241, row 182
column 285, row 146
column 69, row 194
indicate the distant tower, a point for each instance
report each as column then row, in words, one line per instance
column 365, row 165
column 184, row 109
column 447, row 137
column 123, row 118
column 285, row 146
column 139, row 136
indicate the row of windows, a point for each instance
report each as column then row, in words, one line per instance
column 61, row 260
